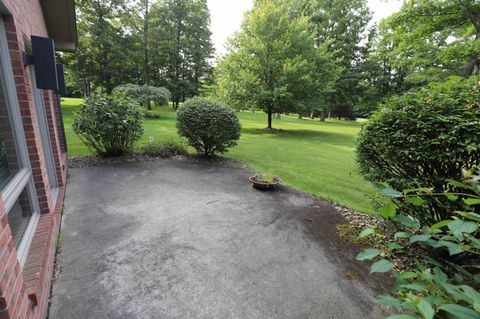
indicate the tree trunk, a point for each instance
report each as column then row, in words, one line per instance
column 269, row 120
column 300, row 116
column 312, row 115
column 145, row 34
column 472, row 68
column 322, row 116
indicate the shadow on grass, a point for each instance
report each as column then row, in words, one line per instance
column 341, row 139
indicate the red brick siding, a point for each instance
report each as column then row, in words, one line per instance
column 16, row 284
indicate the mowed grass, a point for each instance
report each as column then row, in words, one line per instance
column 314, row 157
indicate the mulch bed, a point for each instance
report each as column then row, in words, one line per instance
column 92, row 160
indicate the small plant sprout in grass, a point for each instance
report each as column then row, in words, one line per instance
column 266, row 178
column 265, row 181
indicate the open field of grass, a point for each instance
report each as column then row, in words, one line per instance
column 315, row 157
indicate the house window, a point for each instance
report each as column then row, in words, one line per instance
column 16, row 182
column 8, row 154
column 45, row 136
column 19, row 217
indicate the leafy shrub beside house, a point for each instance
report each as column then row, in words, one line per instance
column 109, row 125
column 209, row 126
column 445, row 281
column 423, row 151
column 424, row 138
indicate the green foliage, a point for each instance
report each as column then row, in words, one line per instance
column 145, row 94
column 433, row 39
column 446, row 280
column 103, row 59
column 274, row 64
column 162, row 43
column 423, row 138
column 181, row 47
column 209, row 126
column 109, row 125
column 164, row 148
column 425, row 41
column 341, row 26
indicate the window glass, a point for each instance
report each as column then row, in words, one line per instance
column 19, row 217
column 8, row 154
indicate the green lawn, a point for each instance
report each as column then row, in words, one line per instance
column 315, row 157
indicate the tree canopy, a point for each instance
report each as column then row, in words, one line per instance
column 143, row 42
column 273, row 63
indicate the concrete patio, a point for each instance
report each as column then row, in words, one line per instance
column 176, row 239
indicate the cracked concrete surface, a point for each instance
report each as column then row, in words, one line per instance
column 175, row 239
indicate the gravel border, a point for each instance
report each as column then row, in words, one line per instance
column 92, row 160
column 356, row 222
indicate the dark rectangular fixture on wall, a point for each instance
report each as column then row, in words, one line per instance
column 43, row 51
column 62, row 89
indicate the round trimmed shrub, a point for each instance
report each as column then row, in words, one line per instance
column 422, row 139
column 209, row 126
column 109, row 125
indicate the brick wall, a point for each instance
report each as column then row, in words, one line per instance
column 22, row 288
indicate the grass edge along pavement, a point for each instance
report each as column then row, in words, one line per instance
column 312, row 156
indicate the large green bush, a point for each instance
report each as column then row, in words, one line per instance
column 109, row 125
column 424, row 138
column 209, row 126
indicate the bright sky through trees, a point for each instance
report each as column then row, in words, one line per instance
column 226, row 16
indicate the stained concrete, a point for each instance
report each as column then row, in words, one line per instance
column 176, row 239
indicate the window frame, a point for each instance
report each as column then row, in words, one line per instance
column 45, row 136
column 23, row 179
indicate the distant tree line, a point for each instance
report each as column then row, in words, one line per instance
column 316, row 58
column 357, row 64
column 159, row 43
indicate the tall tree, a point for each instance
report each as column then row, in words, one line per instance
column 183, row 47
column 100, row 63
column 272, row 62
column 137, row 20
column 434, row 39
column 343, row 25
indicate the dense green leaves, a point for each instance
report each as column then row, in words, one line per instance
column 438, row 286
column 181, row 47
column 162, row 43
column 209, row 126
column 145, row 94
column 424, row 137
column 341, row 25
column 274, row 64
column 109, row 125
